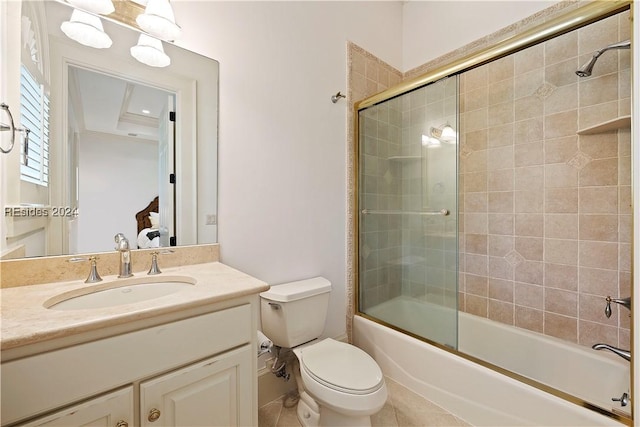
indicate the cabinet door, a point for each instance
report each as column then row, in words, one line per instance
column 215, row 392
column 110, row 410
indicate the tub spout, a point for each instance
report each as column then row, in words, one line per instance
column 625, row 354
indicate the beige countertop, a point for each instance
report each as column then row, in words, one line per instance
column 25, row 319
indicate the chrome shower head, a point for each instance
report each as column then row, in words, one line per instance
column 587, row 68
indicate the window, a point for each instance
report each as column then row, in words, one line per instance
column 34, row 113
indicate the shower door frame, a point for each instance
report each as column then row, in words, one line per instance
column 555, row 27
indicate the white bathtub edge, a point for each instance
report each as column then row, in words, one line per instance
column 478, row 395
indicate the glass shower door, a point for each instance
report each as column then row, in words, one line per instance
column 407, row 203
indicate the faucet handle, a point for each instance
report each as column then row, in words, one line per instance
column 93, row 277
column 154, row 261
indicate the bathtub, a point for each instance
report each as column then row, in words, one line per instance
column 483, row 396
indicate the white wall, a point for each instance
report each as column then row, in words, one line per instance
column 433, row 28
column 108, row 200
column 282, row 168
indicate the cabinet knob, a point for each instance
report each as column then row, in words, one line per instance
column 154, row 414
column 122, row 423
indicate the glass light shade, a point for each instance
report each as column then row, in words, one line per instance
column 448, row 134
column 159, row 21
column 149, row 51
column 102, row 7
column 86, row 29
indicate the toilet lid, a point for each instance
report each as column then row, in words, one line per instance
column 342, row 366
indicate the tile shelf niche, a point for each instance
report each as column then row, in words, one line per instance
column 623, row 122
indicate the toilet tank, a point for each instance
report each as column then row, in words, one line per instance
column 294, row 313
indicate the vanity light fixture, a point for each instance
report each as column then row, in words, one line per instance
column 159, row 21
column 149, row 51
column 102, row 7
column 444, row 133
column 430, row 141
column 86, row 29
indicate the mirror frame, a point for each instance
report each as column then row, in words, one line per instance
column 554, row 27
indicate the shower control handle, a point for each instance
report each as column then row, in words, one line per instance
column 624, row 399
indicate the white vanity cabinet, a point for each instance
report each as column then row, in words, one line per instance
column 111, row 410
column 213, row 392
column 198, row 370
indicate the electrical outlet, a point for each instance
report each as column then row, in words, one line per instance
column 211, row 219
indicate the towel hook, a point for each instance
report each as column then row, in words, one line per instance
column 335, row 98
column 11, row 128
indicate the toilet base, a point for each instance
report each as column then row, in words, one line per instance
column 329, row 417
column 308, row 411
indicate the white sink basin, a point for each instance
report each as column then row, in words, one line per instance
column 119, row 292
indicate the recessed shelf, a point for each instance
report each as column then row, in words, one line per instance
column 623, row 122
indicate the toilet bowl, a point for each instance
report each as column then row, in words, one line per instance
column 339, row 384
column 346, row 382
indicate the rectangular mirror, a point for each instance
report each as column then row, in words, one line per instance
column 115, row 146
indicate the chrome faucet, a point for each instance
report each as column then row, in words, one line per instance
column 122, row 246
column 625, row 354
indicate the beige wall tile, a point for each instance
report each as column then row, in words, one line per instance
column 530, row 272
column 598, row 113
column 560, row 175
column 528, row 130
column 474, row 182
column 500, row 114
column 561, row 200
column 501, row 289
column 599, row 227
column 499, row 136
column 500, row 180
column 561, row 124
column 531, row 248
column 600, row 146
column 529, row 154
column 598, row 200
column 560, row 48
column 528, row 295
column 500, row 268
column 598, row 281
column 476, row 140
column 564, row 98
column 562, row 73
column 476, row 98
column 476, row 244
column 598, row 255
column 530, row 225
column 501, row 311
column 529, row 318
column 561, row 276
column 526, row 84
column 475, row 202
column 592, row 332
column 529, row 201
column 500, row 201
column 599, row 173
column 500, row 92
column 561, row 302
column 500, row 245
column 559, row 251
column 560, row 150
column 530, row 178
column 562, row 327
column 500, row 69
column 561, row 226
column 529, row 59
column 476, row 305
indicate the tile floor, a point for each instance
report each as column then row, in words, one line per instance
column 403, row 408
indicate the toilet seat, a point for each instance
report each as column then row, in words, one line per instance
column 341, row 367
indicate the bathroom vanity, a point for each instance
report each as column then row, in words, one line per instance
column 187, row 358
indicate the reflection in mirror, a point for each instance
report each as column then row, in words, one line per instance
column 102, row 147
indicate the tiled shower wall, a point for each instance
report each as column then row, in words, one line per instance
column 380, row 236
column 546, row 211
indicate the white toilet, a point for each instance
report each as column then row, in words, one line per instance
column 342, row 385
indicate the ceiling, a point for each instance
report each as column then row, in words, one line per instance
column 108, row 104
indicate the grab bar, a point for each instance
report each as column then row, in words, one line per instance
column 443, row 212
